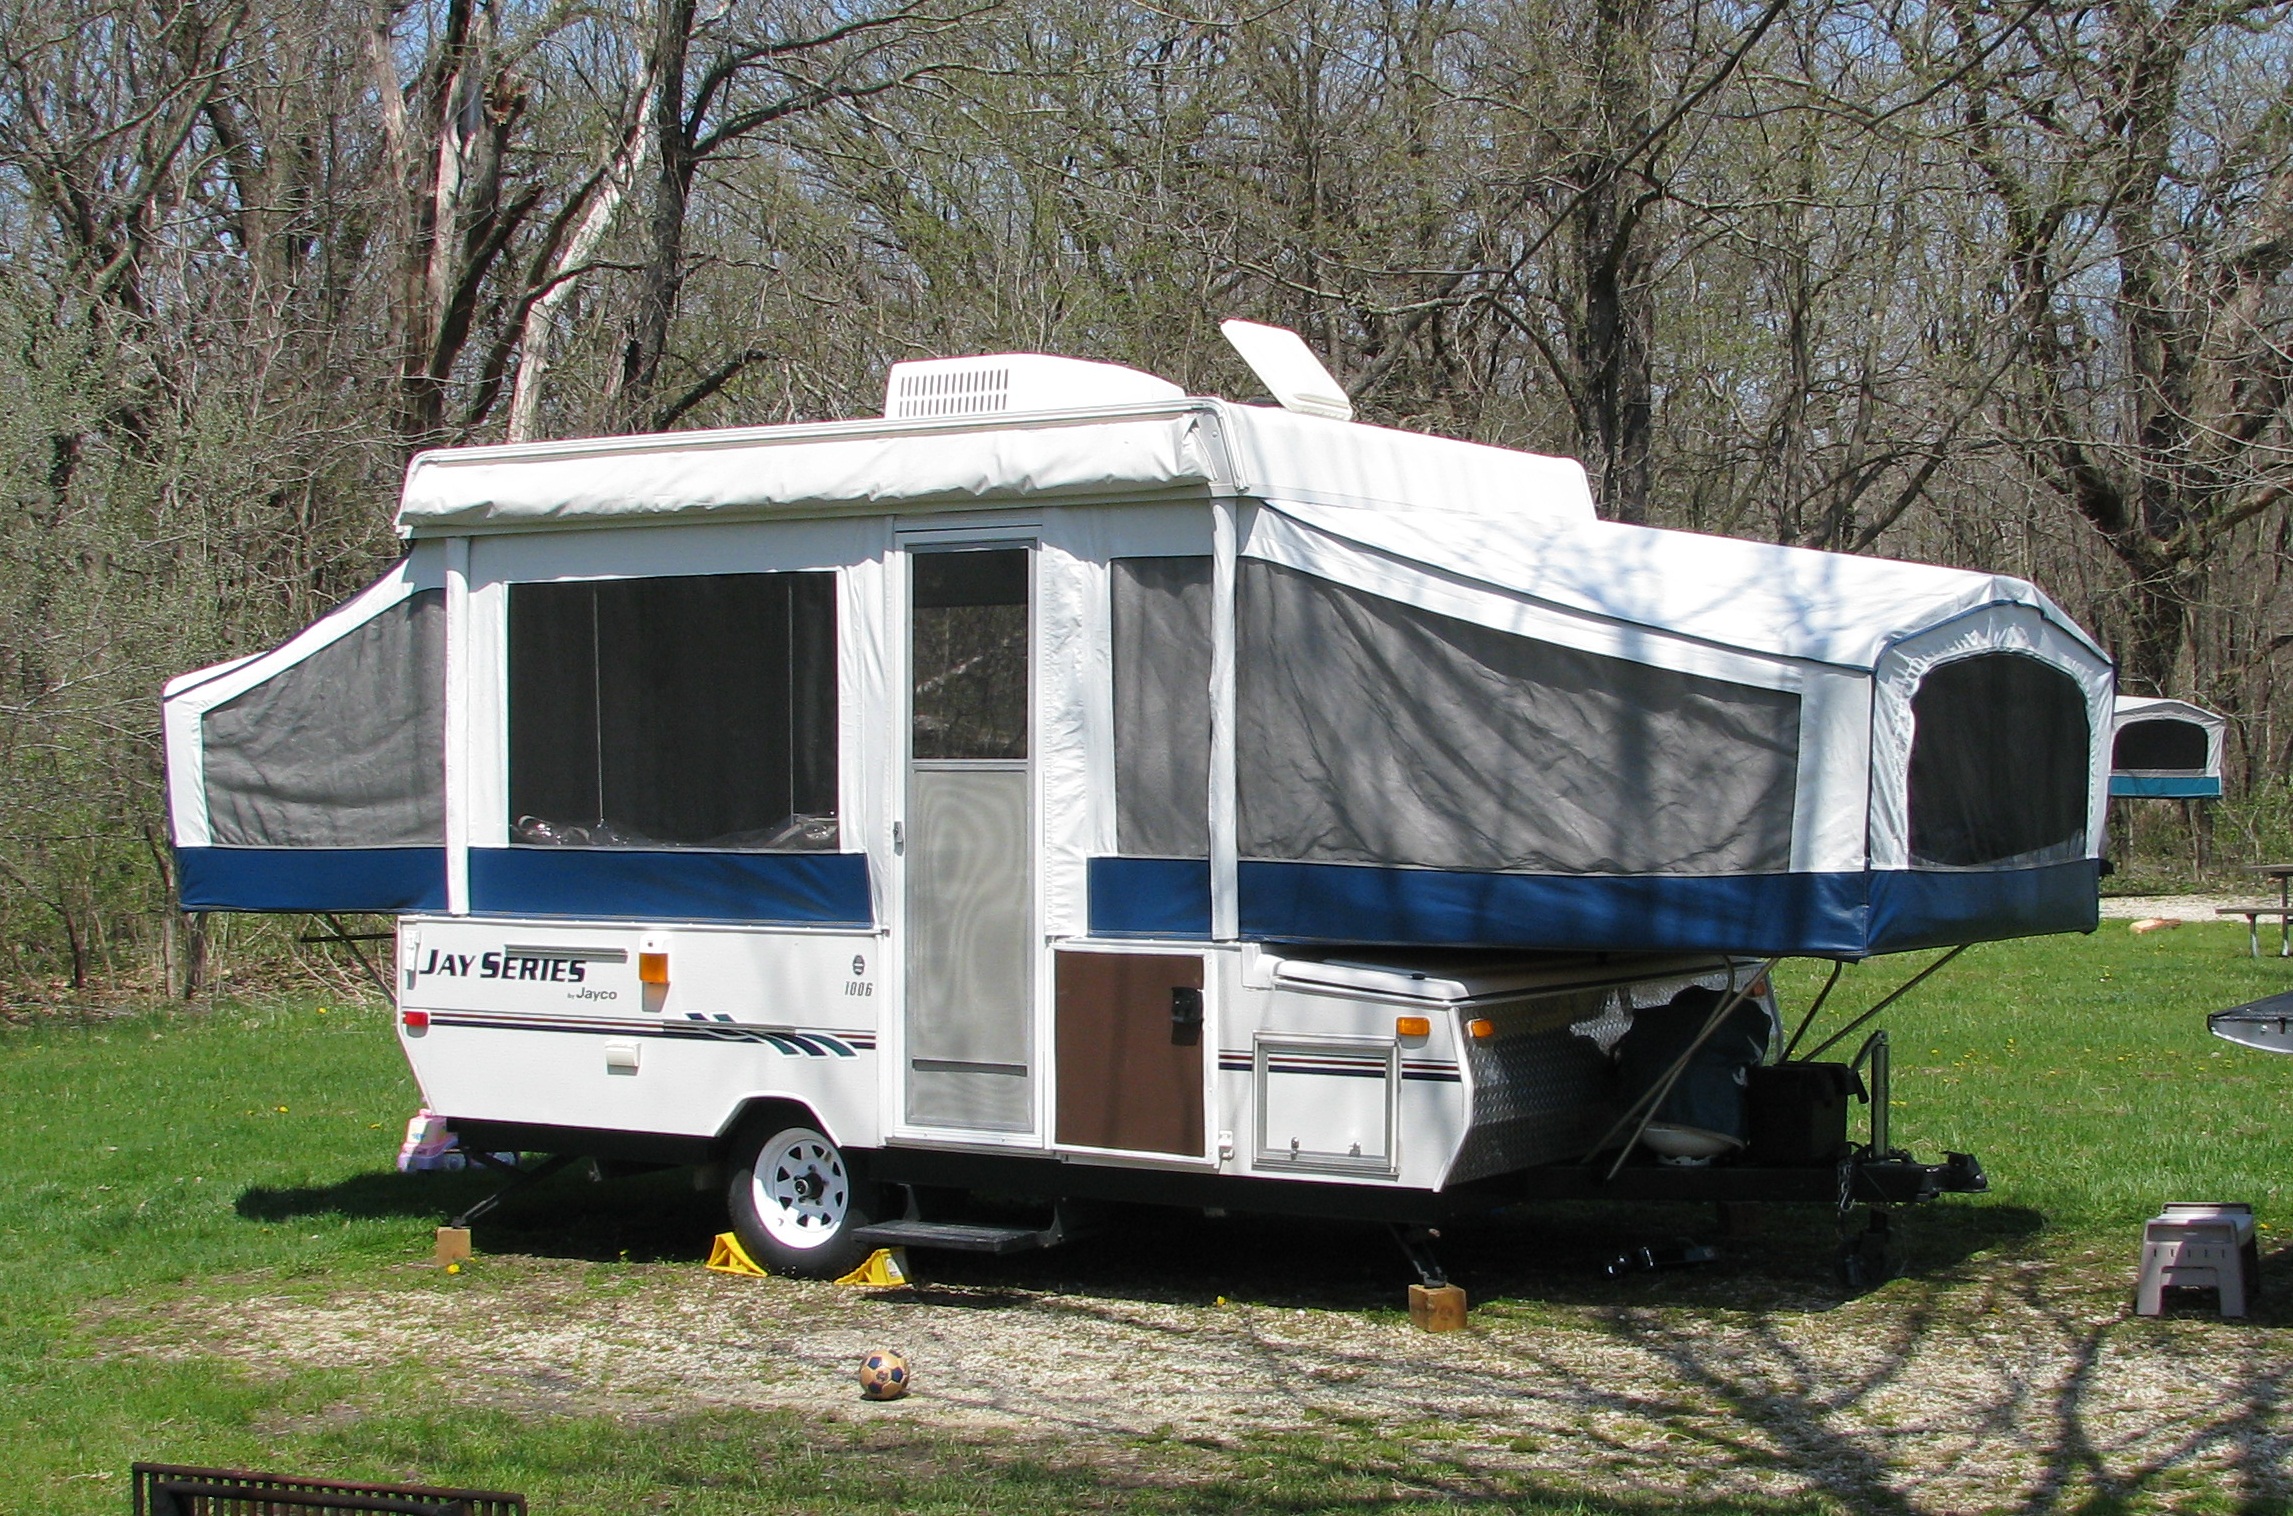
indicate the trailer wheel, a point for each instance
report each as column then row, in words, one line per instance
column 795, row 1204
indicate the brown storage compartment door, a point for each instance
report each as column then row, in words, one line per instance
column 1130, row 1075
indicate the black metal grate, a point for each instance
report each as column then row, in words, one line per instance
column 166, row 1490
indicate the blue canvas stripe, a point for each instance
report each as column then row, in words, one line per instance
column 379, row 879
column 1834, row 914
column 1150, row 897
column 2165, row 787
column 630, row 884
column 1915, row 908
column 1748, row 913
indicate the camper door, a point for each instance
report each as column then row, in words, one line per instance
column 964, row 835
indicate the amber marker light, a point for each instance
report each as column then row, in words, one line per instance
column 1480, row 1029
column 652, row 968
column 1412, row 1026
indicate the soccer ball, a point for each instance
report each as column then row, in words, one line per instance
column 883, row 1375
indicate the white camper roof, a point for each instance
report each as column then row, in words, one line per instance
column 1833, row 608
column 1521, row 523
column 2133, row 708
column 1107, row 453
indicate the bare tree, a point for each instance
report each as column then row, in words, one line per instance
column 2140, row 167
column 715, row 83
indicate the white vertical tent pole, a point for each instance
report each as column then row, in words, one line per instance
column 457, row 726
column 1224, row 911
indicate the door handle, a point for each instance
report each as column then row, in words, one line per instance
column 1185, row 1016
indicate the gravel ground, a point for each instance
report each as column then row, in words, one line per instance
column 1998, row 1383
column 2171, row 907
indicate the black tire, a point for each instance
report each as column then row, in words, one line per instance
column 795, row 1203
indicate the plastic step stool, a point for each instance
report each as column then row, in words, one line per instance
column 2198, row 1246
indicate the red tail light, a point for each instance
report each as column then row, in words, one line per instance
column 416, row 1021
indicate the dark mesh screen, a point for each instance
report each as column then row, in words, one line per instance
column 343, row 749
column 1369, row 731
column 1999, row 754
column 970, row 654
column 2163, row 743
column 1161, row 622
column 697, row 711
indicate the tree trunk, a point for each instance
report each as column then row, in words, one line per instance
column 2157, row 626
column 79, row 948
column 537, row 331
column 194, row 953
column 663, row 276
column 1615, row 333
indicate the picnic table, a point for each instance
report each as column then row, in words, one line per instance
column 2282, row 910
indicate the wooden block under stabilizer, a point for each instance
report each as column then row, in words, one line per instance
column 453, row 1244
column 1437, row 1307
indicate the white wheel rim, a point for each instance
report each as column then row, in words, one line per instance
column 800, row 1189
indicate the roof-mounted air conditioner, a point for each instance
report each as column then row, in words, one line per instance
column 999, row 384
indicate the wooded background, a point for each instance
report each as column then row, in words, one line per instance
column 1996, row 283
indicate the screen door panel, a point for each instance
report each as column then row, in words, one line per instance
column 970, row 877
column 970, row 971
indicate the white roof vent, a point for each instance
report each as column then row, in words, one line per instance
column 1003, row 383
column 1286, row 366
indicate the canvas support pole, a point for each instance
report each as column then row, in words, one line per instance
column 1814, row 1010
column 339, row 933
column 1913, row 983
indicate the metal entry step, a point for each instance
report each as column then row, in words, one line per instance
column 959, row 1236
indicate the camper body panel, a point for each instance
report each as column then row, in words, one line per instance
column 1332, row 1081
column 548, row 1023
column 1344, row 1073
column 1367, row 1066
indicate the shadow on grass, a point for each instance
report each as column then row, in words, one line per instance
column 1524, row 1257
column 1781, row 1257
column 646, row 1218
column 1746, row 1387
column 716, row 1461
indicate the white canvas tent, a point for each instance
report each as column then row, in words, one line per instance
column 1294, row 679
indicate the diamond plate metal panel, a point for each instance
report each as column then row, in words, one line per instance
column 1542, row 1088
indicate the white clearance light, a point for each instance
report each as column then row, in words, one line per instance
column 1001, row 383
column 1286, row 366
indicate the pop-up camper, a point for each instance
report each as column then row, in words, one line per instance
column 2165, row 749
column 1068, row 786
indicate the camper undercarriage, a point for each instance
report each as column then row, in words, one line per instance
column 1395, row 1087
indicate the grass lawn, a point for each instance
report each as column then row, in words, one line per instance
column 177, row 1164
column 2080, row 1071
